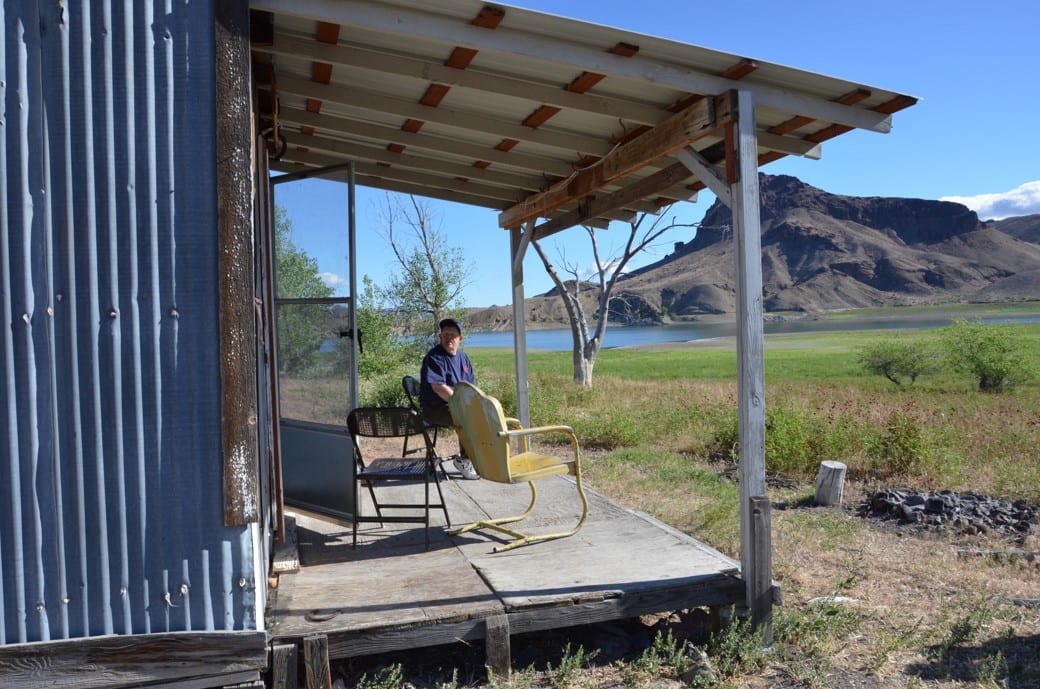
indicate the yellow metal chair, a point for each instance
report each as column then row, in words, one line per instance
column 488, row 438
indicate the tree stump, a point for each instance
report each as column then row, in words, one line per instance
column 830, row 483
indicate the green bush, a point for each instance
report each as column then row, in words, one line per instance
column 794, row 441
column 383, row 390
column 899, row 359
column 989, row 353
column 900, row 448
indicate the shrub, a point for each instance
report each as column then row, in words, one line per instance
column 900, row 448
column 897, row 360
column 794, row 441
column 989, row 353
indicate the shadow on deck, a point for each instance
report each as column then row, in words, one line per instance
column 390, row 593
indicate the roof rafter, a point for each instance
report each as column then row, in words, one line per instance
column 695, row 122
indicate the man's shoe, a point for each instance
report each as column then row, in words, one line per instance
column 465, row 467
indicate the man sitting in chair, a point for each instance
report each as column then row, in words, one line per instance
column 443, row 368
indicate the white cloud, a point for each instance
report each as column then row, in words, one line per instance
column 1022, row 200
column 333, row 280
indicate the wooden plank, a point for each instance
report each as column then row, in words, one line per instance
column 117, row 661
column 371, row 642
column 653, row 184
column 238, row 414
column 496, row 646
column 695, row 121
column 284, row 666
column 287, row 554
column 316, row 662
column 722, row 591
column 762, row 581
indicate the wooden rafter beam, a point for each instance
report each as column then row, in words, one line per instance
column 593, row 207
column 700, row 119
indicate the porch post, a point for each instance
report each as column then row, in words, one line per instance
column 234, row 198
column 756, row 561
column 519, row 238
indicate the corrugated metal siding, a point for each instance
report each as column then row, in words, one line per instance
column 110, row 467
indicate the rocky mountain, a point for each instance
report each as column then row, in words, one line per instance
column 823, row 252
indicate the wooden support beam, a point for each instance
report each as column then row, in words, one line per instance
column 238, row 418
column 762, row 572
column 496, row 646
column 698, row 120
column 594, row 207
column 283, row 667
column 747, row 233
column 316, row 661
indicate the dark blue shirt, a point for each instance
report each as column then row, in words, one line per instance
column 440, row 367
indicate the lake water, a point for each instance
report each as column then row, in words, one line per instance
column 620, row 336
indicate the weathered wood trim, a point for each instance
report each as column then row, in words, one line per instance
column 181, row 659
column 316, row 661
column 694, row 122
column 707, row 591
column 761, row 582
column 284, row 660
column 655, row 183
column 496, row 646
column 235, row 230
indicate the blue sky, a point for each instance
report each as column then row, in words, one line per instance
column 973, row 136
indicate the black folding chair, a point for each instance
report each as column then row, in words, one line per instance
column 395, row 423
column 411, row 391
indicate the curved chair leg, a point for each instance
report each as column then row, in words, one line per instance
column 523, row 539
column 496, row 524
column 520, row 538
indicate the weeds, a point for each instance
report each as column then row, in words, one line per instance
column 737, row 650
column 386, row 677
column 570, row 665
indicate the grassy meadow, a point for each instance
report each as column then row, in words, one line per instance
column 659, row 431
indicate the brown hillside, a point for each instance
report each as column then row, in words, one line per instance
column 823, row 252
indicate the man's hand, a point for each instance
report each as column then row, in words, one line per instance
column 443, row 391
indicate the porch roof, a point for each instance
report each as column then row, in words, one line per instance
column 538, row 116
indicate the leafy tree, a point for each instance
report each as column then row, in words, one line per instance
column 433, row 274
column 302, row 328
column 587, row 339
column 897, row 360
column 989, row 353
column 383, row 351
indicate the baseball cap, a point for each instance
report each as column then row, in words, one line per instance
column 450, row 323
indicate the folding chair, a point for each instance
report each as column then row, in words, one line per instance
column 410, row 384
column 394, row 423
column 487, row 435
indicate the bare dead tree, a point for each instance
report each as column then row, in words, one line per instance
column 587, row 340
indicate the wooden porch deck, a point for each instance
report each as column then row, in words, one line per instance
column 391, row 594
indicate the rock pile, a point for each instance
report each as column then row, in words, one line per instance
column 964, row 513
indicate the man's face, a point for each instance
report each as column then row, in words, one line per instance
column 450, row 338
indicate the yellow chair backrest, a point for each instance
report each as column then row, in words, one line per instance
column 480, row 422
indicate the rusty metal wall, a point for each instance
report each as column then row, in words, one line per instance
column 111, row 515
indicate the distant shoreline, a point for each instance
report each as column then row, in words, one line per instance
column 889, row 314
